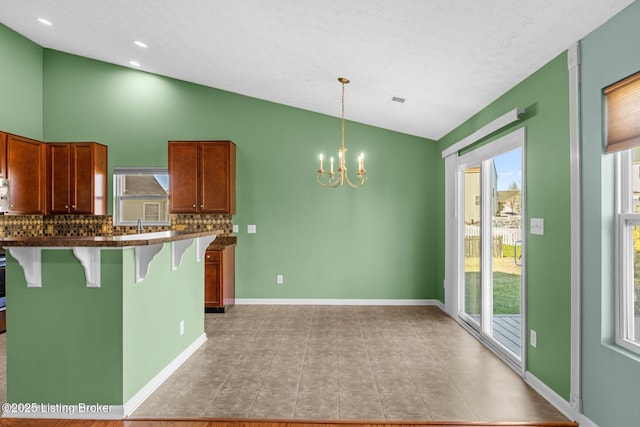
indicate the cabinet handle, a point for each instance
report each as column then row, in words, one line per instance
column 73, row 206
column 202, row 206
column 66, row 207
column 194, row 206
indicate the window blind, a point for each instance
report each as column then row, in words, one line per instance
column 623, row 114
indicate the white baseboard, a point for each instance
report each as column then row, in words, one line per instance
column 558, row 401
column 320, row 301
column 162, row 376
column 97, row 411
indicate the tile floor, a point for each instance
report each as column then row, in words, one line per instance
column 344, row 362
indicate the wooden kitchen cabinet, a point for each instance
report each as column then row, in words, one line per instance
column 3, row 155
column 26, row 170
column 202, row 177
column 219, row 279
column 77, row 178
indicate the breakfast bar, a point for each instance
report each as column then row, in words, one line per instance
column 98, row 323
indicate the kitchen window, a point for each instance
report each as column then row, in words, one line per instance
column 141, row 194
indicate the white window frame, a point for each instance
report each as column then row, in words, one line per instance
column 626, row 220
column 118, row 196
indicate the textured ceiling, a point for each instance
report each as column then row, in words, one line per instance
column 448, row 58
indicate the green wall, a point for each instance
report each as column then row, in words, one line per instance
column 545, row 96
column 64, row 341
column 152, row 311
column 71, row 344
column 611, row 376
column 20, row 85
column 375, row 242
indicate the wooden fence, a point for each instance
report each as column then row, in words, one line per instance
column 472, row 246
column 510, row 235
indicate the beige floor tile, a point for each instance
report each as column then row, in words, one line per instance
column 340, row 362
column 399, row 384
column 403, row 416
column 282, row 383
column 364, row 383
column 403, row 403
column 360, row 403
column 231, row 401
column 275, row 401
column 453, row 411
column 324, row 384
column 317, row 405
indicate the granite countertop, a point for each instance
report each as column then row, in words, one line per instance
column 223, row 241
column 143, row 239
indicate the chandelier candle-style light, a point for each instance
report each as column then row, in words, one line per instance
column 342, row 177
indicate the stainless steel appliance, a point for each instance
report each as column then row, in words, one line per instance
column 5, row 199
column 3, row 319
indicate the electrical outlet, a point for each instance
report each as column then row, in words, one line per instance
column 236, row 228
column 534, row 338
column 182, row 327
column 251, row 228
column 279, row 279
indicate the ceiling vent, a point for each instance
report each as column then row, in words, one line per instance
column 398, row 99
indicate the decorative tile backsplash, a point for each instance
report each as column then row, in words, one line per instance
column 203, row 222
column 102, row 225
column 21, row 225
column 76, row 225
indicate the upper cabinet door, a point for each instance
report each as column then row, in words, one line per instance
column 77, row 174
column 3, row 155
column 202, row 176
column 183, row 177
column 217, row 177
column 26, row 170
column 59, row 194
column 87, row 178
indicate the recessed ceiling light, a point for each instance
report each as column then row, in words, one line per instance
column 398, row 99
column 134, row 63
column 140, row 44
column 44, row 21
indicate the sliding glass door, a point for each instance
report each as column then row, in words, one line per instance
column 491, row 212
column 472, row 185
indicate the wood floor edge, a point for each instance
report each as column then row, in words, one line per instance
column 252, row 422
column 235, row 422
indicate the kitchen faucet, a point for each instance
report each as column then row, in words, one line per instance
column 140, row 226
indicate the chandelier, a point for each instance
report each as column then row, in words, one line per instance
column 333, row 181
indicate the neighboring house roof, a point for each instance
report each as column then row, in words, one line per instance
column 143, row 185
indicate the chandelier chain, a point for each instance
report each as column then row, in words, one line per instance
column 332, row 180
column 342, row 81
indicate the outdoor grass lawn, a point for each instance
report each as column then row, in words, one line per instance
column 506, row 287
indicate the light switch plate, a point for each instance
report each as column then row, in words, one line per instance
column 236, row 228
column 251, row 228
column 537, row 226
